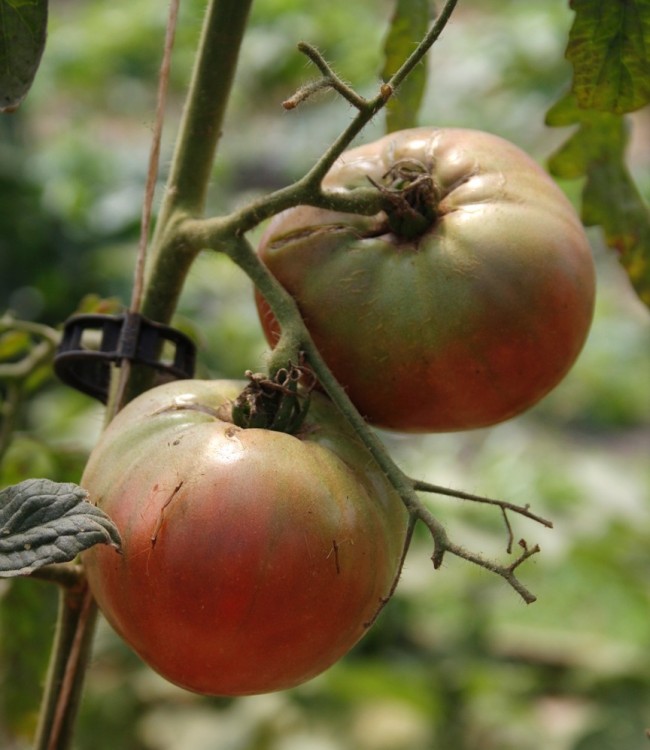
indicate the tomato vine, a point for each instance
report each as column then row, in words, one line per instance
column 182, row 233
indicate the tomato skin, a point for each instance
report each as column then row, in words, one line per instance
column 252, row 560
column 464, row 327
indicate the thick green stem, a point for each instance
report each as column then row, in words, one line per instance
column 191, row 169
column 71, row 651
column 203, row 117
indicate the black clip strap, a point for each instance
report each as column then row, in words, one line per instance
column 128, row 336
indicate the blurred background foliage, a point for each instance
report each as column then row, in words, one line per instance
column 456, row 661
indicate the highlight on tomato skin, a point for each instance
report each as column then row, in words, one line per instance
column 252, row 560
column 468, row 323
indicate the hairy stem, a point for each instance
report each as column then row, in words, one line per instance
column 124, row 377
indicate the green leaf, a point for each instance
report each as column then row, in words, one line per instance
column 610, row 198
column 13, row 344
column 23, row 28
column 44, row 522
column 609, row 48
column 408, row 25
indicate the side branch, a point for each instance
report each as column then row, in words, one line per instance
column 329, row 80
column 507, row 572
column 200, row 234
column 442, row 544
column 522, row 510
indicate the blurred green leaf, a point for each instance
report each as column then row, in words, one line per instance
column 408, row 25
column 623, row 720
column 610, row 197
column 13, row 344
column 44, row 522
column 608, row 47
column 24, row 457
column 95, row 303
column 23, row 29
column 27, row 614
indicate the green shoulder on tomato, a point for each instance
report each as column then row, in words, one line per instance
column 469, row 323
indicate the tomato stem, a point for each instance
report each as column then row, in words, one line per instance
column 196, row 146
column 72, row 644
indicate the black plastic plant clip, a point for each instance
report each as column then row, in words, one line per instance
column 129, row 336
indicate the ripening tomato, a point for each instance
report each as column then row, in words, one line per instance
column 468, row 323
column 252, row 560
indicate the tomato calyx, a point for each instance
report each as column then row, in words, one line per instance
column 412, row 197
column 274, row 403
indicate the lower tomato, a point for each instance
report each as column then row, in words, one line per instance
column 252, row 560
column 463, row 324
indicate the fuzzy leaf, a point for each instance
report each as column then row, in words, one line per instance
column 610, row 198
column 408, row 26
column 23, row 28
column 44, row 522
column 609, row 48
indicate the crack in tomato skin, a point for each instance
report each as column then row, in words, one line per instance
column 250, row 585
column 161, row 518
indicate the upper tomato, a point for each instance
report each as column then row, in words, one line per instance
column 252, row 560
column 464, row 326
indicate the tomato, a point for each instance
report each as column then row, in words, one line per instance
column 252, row 560
column 466, row 324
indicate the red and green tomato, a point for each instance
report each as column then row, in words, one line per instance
column 463, row 326
column 252, row 560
